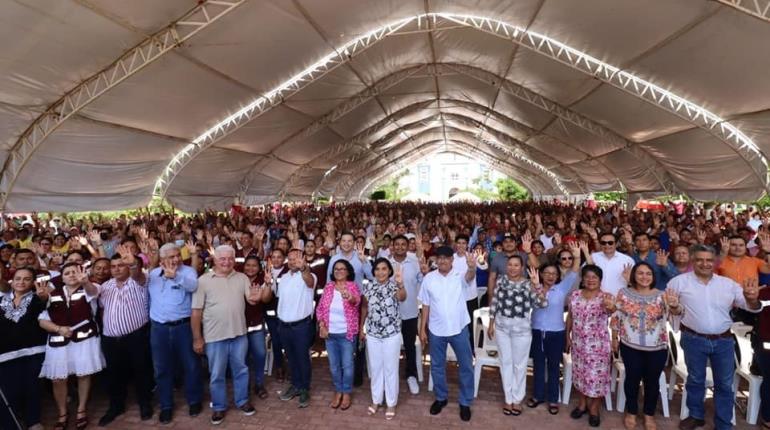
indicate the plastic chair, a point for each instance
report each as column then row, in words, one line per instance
column 567, row 387
column 742, row 364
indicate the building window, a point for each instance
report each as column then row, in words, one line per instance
column 454, row 176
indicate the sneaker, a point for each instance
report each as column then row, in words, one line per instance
column 166, row 416
column 195, row 409
column 691, row 423
column 289, row 393
column 304, row 399
column 414, row 387
column 465, row 413
column 217, row 417
column 247, row 409
column 437, row 406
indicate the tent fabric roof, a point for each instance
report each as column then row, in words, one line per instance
column 104, row 103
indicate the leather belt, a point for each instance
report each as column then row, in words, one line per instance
column 293, row 323
column 726, row 334
column 175, row 323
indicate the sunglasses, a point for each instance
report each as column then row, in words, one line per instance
column 567, row 258
column 607, row 242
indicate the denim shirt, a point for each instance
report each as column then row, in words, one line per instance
column 171, row 299
column 551, row 317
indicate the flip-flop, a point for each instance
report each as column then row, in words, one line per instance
column 372, row 409
column 390, row 414
column 507, row 411
column 345, row 406
column 532, row 403
column 515, row 412
column 553, row 409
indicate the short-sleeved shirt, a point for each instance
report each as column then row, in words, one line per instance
column 412, row 276
column 224, row 308
column 383, row 318
column 740, row 269
column 612, row 270
column 500, row 263
column 296, row 298
column 445, row 295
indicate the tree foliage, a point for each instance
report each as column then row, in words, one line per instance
column 508, row 189
column 392, row 188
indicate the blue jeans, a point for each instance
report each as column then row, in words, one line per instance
column 340, row 352
column 296, row 341
column 547, row 348
column 172, row 345
column 721, row 353
column 273, row 325
column 462, row 349
column 258, row 350
column 222, row 353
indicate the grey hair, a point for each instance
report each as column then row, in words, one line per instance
column 164, row 250
column 699, row 247
column 221, row 249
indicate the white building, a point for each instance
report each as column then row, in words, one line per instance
column 443, row 175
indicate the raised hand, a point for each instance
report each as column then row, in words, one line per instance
column 526, row 242
column 661, row 258
column 169, row 269
column 360, row 252
column 95, row 238
column 751, row 289
column 671, row 298
column 398, row 276
column 534, row 276
column 191, row 247
column 700, row 236
column 608, row 301
column 269, row 273
column 724, row 244
column 424, row 267
column 42, row 290
column 627, row 272
column 81, row 275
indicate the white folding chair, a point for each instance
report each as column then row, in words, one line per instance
column 742, row 371
column 269, row 355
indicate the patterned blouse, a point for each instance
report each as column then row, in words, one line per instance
column 383, row 318
column 515, row 299
column 641, row 320
column 351, row 309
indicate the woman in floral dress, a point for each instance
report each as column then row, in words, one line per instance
column 588, row 337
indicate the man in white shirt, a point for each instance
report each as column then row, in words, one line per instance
column 547, row 236
column 460, row 264
column 612, row 263
column 445, row 321
column 295, row 290
column 704, row 300
column 412, row 277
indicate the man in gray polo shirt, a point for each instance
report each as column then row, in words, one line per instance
column 219, row 326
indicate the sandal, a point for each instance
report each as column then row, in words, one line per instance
column 372, row 409
column 578, row 413
column 390, row 413
column 261, row 392
column 532, row 403
column 82, row 422
column 553, row 409
column 515, row 412
column 61, row 424
column 346, row 405
column 507, row 411
column 335, row 403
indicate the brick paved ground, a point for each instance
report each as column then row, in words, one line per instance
column 412, row 411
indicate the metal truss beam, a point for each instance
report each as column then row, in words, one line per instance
column 130, row 63
column 534, row 41
column 272, row 99
column 756, row 8
column 456, row 134
column 534, row 183
column 335, row 114
column 507, row 143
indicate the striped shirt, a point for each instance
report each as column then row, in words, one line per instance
column 126, row 309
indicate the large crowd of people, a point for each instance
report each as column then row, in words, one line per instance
column 150, row 296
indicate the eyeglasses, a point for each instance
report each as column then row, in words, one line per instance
column 567, row 258
column 607, row 242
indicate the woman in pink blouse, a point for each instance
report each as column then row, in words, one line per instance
column 337, row 314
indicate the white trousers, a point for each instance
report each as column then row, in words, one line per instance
column 383, row 356
column 513, row 336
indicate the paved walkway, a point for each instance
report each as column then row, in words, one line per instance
column 412, row 411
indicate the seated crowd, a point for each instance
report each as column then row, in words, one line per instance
column 143, row 300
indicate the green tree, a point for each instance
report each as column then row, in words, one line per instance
column 508, row 189
column 611, row 196
column 392, row 188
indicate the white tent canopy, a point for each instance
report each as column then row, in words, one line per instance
column 104, row 103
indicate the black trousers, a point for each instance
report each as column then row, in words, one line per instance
column 409, row 332
column 644, row 367
column 20, row 383
column 128, row 358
